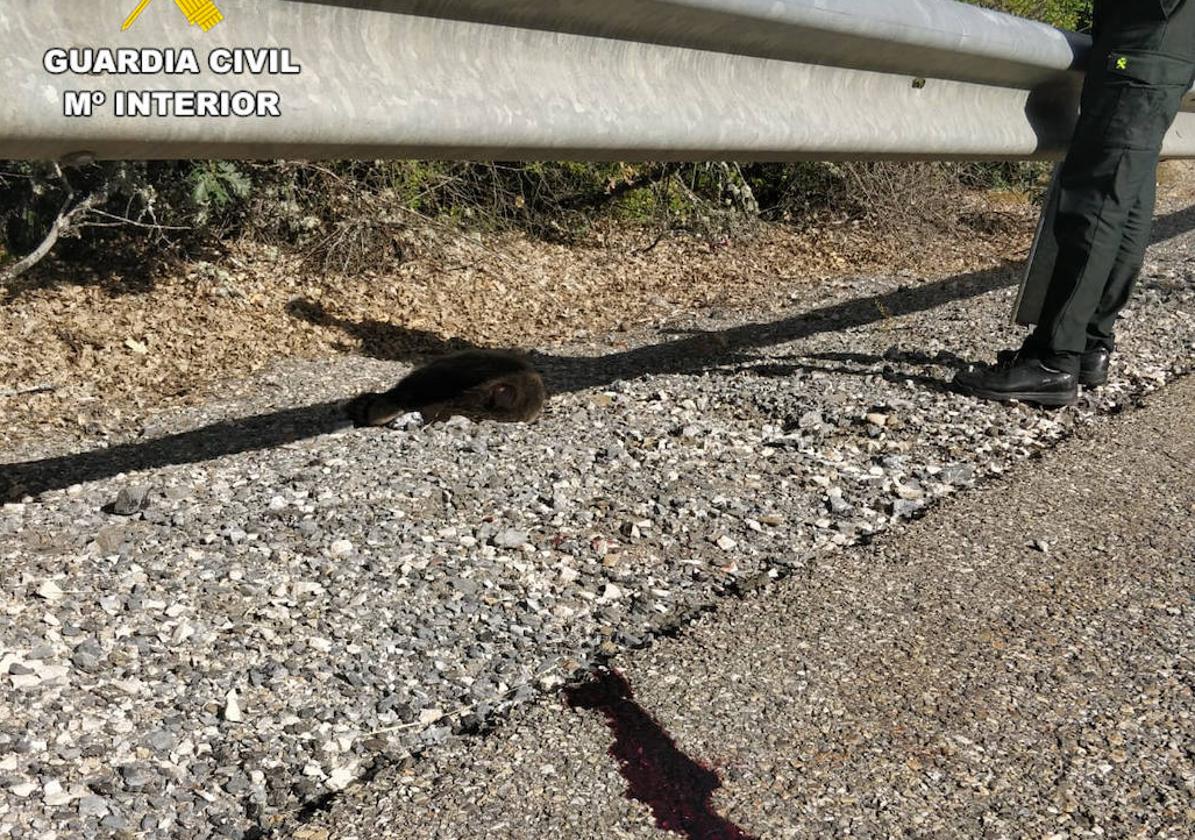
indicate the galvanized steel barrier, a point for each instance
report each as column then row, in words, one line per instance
column 541, row 79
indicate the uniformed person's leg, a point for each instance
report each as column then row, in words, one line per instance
column 1104, row 189
column 1178, row 42
column 1141, row 65
column 1129, row 260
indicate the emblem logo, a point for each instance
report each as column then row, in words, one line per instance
column 201, row 13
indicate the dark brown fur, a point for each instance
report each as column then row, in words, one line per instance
column 478, row 384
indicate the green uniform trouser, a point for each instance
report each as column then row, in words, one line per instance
column 1141, row 65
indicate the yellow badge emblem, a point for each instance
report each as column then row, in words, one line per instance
column 201, row 13
column 1122, row 63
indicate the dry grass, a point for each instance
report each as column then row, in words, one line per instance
column 116, row 344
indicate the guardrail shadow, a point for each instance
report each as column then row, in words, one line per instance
column 563, row 374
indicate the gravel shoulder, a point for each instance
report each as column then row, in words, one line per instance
column 215, row 625
column 89, row 353
column 1018, row 663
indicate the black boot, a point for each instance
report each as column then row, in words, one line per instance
column 1093, row 367
column 1019, row 377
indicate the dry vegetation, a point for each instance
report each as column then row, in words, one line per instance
column 115, row 341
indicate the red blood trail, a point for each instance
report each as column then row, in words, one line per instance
column 676, row 788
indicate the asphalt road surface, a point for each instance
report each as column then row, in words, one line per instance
column 1018, row 663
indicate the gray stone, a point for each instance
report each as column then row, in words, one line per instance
column 510, row 538
column 93, row 806
column 88, row 656
column 131, row 500
column 115, row 822
column 906, row 507
column 810, row 421
column 137, row 776
column 957, row 474
column 837, row 504
column 109, row 539
column 237, row 784
column 41, row 651
column 161, row 741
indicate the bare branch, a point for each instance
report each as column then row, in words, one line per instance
column 121, row 221
column 65, row 222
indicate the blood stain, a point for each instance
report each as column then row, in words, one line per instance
column 677, row 788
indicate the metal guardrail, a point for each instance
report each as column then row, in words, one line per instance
column 553, row 79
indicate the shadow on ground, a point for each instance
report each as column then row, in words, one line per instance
column 377, row 339
column 131, row 266
column 693, row 353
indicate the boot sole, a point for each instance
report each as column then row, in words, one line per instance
column 1093, row 383
column 1045, row 399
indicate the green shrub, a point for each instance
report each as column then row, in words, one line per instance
column 215, row 186
column 1065, row 14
